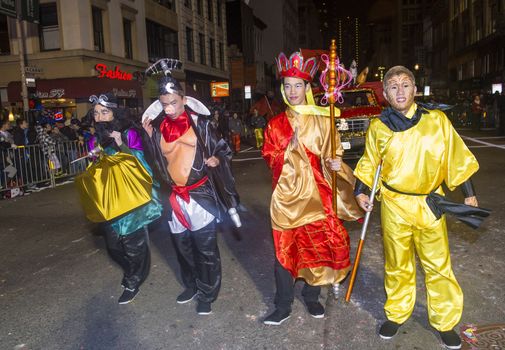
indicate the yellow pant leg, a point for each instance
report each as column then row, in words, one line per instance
column 400, row 268
column 444, row 295
column 258, row 132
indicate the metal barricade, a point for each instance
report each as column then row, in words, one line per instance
column 25, row 167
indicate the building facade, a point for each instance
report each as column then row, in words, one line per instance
column 82, row 47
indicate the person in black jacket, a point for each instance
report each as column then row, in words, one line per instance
column 186, row 150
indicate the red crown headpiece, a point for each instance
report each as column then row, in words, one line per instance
column 296, row 67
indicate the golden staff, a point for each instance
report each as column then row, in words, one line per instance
column 363, row 235
column 331, row 87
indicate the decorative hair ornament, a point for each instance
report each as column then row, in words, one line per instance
column 343, row 78
column 296, row 66
column 102, row 100
column 165, row 66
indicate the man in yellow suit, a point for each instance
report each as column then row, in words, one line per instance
column 419, row 150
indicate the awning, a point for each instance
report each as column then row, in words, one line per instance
column 78, row 88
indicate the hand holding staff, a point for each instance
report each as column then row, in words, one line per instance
column 368, row 210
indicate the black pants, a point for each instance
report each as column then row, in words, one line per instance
column 199, row 260
column 284, row 295
column 131, row 252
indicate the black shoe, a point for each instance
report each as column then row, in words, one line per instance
column 277, row 317
column 203, row 308
column 389, row 329
column 128, row 295
column 315, row 309
column 186, row 296
column 450, row 339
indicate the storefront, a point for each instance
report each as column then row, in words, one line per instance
column 71, row 95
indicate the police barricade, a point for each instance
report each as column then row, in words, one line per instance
column 29, row 167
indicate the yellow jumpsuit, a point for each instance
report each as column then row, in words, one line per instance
column 417, row 160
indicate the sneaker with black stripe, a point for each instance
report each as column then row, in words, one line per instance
column 389, row 329
column 450, row 339
column 277, row 317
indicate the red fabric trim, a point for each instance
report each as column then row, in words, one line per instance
column 172, row 129
column 294, row 72
column 183, row 192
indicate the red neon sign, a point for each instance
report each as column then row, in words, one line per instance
column 115, row 73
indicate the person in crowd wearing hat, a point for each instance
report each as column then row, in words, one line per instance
column 127, row 236
column 310, row 240
column 186, row 152
column 418, row 150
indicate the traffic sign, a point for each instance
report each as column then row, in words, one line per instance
column 30, row 11
column 34, row 70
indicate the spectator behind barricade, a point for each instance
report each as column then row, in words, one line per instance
column 6, row 142
column 65, row 129
column 215, row 122
column 6, row 138
column 23, row 134
column 236, row 127
column 258, row 122
column 48, row 148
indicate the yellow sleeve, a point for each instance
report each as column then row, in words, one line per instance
column 459, row 162
column 365, row 169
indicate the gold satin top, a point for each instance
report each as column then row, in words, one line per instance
column 180, row 156
column 295, row 199
column 416, row 160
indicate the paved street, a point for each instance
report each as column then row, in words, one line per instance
column 59, row 289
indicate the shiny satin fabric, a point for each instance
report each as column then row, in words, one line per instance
column 417, row 160
column 113, row 186
column 401, row 242
column 296, row 200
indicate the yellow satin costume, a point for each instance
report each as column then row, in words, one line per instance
column 417, row 160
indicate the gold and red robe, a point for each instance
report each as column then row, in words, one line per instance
column 310, row 240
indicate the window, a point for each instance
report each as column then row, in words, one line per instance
column 5, row 48
column 219, row 13
column 161, row 42
column 201, row 39
column 127, row 32
column 49, row 30
column 199, row 7
column 210, row 4
column 97, row 29
column 169, row 4
column 212, row 52
column 189, row 44
column 221, row 56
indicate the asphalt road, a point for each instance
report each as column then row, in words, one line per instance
column 59, row 289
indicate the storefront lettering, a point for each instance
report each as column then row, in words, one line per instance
column 123, row 93
column 53, row 93
column 116, row 73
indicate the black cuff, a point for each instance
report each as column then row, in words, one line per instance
column 467, row 188
column 360, row 188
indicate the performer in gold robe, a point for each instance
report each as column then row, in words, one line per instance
column 310, row 241
column 419, row 150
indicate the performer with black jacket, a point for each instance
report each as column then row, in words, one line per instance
column 189, row 157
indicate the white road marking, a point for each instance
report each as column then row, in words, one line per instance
column 482, row 142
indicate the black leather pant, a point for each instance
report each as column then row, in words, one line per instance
column 284, row 295
column 199, row 260
column 131, row 252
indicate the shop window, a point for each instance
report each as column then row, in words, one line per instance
column 49, row 29
column 201, row 39
column 161, row 42
column 210, row 12
column 212, row 49
column 98, row 29
column 189, row 44
column 5, row 48
column 127, row 32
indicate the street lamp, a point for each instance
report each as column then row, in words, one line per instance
column 416, row 66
